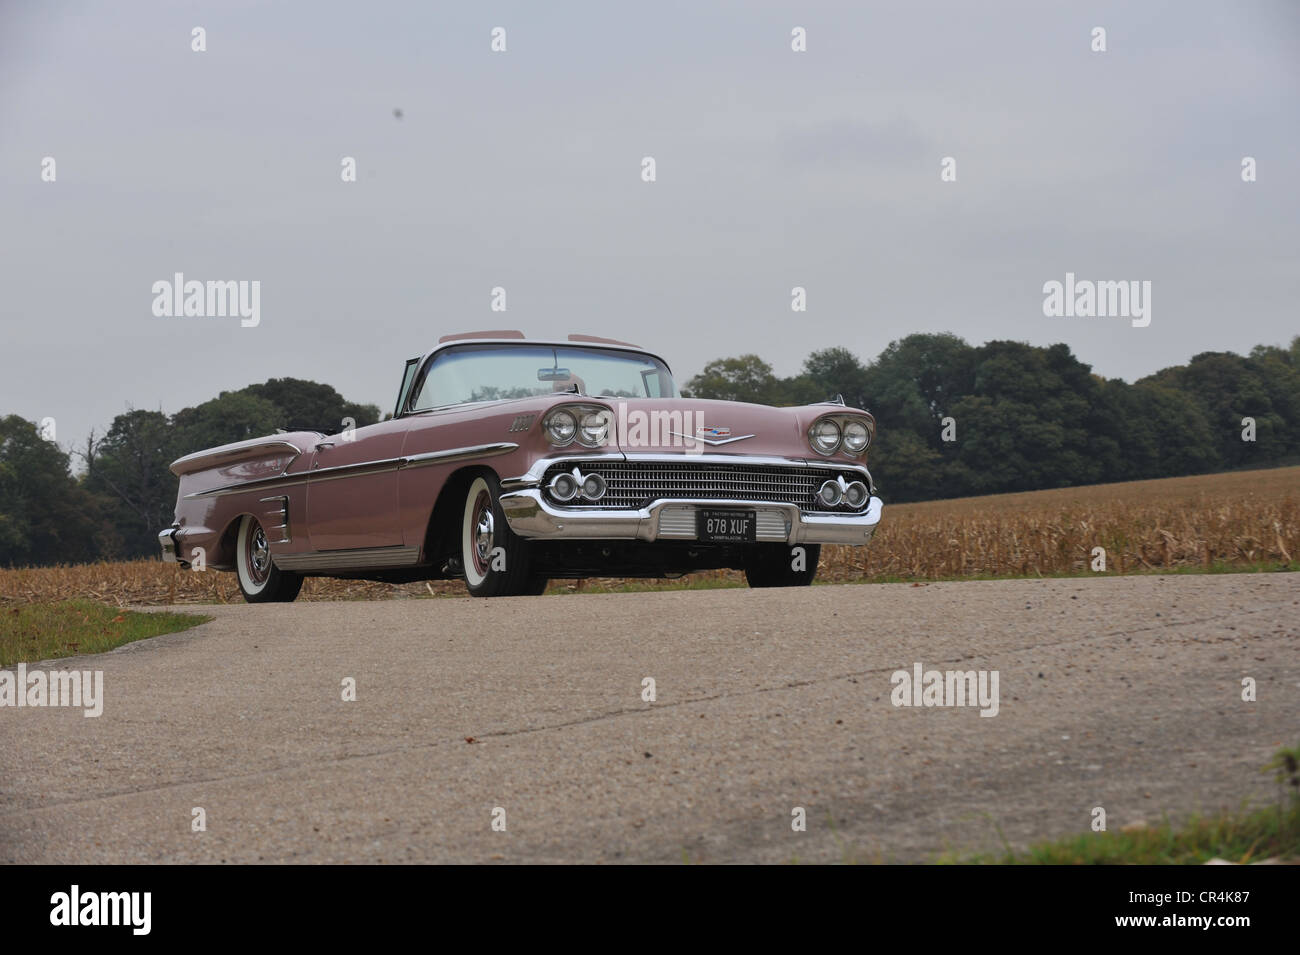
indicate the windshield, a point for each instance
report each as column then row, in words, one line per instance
column 468, row 373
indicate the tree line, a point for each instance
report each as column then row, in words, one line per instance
column 953, row 419
column 124, row 493
column 956, row 419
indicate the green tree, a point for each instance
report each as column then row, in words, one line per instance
column 311, row 406
column 1279, row 371
column 834, row 371
column 1229, row 388
column 130, row 467
column 916, row 381
column 905, row 467
column 747, row 378
column 45, row 515
column 232, row 416
column 1180, row 435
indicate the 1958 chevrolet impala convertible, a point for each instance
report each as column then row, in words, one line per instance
column 509, row 462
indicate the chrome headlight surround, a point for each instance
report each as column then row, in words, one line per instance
column 594, row 425
column 825, row 436
column 565, row 486
column 561, row 427
column 853, row 433
column 568, row 486
column 594, row 487
column 587, row 425
column 831, row 493
column 856, row 435
column 856, row 495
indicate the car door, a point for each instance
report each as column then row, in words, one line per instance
column 352, row 488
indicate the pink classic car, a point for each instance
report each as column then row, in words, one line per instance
column 510, row 462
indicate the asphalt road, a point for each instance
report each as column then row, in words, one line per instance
column 1123, row 693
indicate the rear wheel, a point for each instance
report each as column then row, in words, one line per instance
column 780, row 565
column 260, row 581
column 494, row 558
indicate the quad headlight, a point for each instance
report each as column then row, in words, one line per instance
column 856, row 494
column 568, row 485
column 825, row 436
column 856, row 436
column 593, row 487
column 564, row 487
column 587, row 424
column 594, row 430
column 830, row 493
column 849, row 433
column 852, row 494
column 560, row 427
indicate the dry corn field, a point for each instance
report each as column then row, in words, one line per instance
column 1244, row 519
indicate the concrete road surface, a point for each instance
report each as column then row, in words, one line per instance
column 1124, row 693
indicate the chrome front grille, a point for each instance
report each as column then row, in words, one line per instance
column 635, row 484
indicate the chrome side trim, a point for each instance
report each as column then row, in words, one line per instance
column 459, row 454
column 365, row 558
column 361, row 468
column 279, row 481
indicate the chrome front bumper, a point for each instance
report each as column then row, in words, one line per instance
column 530, row 515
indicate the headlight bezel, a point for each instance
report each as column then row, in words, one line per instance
column 842, row 424
column 572, row 482
column 549, row 427
column 817, row 428
column 858, row 424
column 854, row 489
column 602, row 437
column 579, row 414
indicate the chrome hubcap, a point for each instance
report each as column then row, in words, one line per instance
column 483, row 528
column 259, row 553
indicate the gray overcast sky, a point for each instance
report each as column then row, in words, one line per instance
column 522, row 169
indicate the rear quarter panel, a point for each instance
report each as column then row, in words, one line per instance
column 209, row 500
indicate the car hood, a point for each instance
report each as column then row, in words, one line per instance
column 695, row 425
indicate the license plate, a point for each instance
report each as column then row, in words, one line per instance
column 725, row 527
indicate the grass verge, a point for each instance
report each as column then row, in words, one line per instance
column 1237, row 837
column 46, row 631
column 1243, row 837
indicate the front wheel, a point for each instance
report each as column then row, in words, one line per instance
column 260, row 581
column 495, row 559
column 780, row 565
